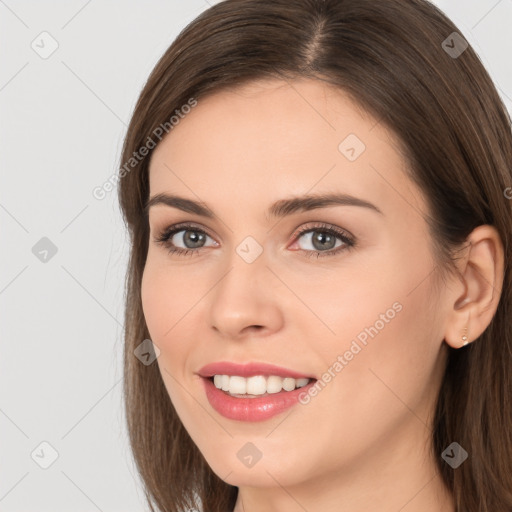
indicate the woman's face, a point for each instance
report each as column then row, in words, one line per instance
column 358, row 313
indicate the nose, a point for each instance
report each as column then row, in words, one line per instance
column 245, row 302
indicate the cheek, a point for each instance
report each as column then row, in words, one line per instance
column 382, row 385
column 163, row 307
column 165, row 299
column 387, row 334
column 392, row 358
column 173, row 310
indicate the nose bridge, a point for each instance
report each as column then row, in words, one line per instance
column 244, row 295
column 247, row 269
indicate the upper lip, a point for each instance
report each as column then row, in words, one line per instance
column 249, row 370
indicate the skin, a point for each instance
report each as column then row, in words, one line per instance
column 363, row 442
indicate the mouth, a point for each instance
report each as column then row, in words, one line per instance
column 253, row 391
column 257, row 403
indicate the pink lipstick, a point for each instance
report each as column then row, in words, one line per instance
column 278, row 389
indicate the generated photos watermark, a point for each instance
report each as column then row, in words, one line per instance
column 355, row 347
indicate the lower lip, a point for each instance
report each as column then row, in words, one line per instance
column 252, row 409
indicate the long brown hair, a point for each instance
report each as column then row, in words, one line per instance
column 399, row 60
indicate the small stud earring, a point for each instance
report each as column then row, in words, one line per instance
column 464, row 337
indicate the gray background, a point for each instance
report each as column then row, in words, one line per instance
column 62, row 123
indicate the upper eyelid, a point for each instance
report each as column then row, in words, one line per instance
column 299, row 231
column 184, row 226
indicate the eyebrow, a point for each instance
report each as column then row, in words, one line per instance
column 279, row 209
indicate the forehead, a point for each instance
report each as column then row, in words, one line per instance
column 270, row 139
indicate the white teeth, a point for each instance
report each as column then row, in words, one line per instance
column 288, row 384
column 274, row 384
column 256, row 385
column 237, row 385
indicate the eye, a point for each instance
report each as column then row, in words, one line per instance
column 193, row 238
column 322, row 240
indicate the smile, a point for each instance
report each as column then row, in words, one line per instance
column 257, row 385
column 252, row 391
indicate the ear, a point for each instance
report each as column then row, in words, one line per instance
column 475, row 299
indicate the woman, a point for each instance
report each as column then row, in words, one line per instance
column 270, row 135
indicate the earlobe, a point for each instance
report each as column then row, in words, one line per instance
column 458, row 333
column 482, row 279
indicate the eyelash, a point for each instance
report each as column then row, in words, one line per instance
column 349, row 243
